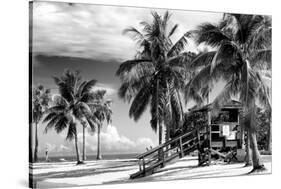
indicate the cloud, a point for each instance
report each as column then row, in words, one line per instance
column 63, row 148
column 113, row 142
column 95, row 31
column 101, row 86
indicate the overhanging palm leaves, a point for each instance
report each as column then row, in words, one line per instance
column 243, row 47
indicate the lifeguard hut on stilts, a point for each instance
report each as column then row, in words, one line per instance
column 219, row 136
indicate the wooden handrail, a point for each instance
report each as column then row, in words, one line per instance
column 141, row 156
column 160, row 156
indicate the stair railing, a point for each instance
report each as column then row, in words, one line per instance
column 176, row 147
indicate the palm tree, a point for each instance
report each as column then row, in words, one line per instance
column 71, row 107
column 103, row 112
column 87, row 96
column 242, row 46
column 40, row 102
column 156, row 75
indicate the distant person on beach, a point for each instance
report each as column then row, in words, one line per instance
column 47, row 154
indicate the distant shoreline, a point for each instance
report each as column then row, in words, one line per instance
column 90, row 157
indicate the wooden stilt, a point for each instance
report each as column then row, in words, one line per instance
column 209, row 136
column 181, row 150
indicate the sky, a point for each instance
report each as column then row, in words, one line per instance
column 89, row 38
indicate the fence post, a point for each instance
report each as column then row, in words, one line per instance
column 143, row 164
column 181, row 149
column 209, row 135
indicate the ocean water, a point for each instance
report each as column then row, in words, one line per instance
column 90, row 157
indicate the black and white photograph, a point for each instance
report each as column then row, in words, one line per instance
column 123, row 94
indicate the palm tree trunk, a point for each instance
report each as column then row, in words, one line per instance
column 36, row 144
column 160, row 132
column 30, row 144
column 181, row 107
column 160, row 125
column 167, row 134
column 99, row 145
column 248, row 157
column 257, row 164
column 84, row 147
column 269, row 148
column 160, row 152
column 77, row 149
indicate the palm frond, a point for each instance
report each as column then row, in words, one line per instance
column 127, row 66
column 71, row 132
column 165, row 20
column 173, row 30
column 227, row 53
column 190, row 93
column 201, row 78
column 61, row 124
column 262, row 59
column 178, row 47
column 89, row 86
column 202, row 59
column 135, row 34
column 157, row 105
column 223, row 98
column 209, row 34
column 49, row 116
column 140, row 103
column 53, row 121
column 66, row 91
column 263, row 91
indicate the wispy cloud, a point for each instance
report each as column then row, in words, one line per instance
column 109, row 90
column 94, row 31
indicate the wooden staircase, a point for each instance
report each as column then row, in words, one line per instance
column 177, row 147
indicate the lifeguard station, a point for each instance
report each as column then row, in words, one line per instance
column 225, row 134
column 219, row 136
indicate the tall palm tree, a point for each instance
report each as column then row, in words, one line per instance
column 242, row 46
column 157, row 73
column 103, row 112
column 40, row 102
column 88, row 96
column 71, row 107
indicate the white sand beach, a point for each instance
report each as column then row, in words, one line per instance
column 64, row 174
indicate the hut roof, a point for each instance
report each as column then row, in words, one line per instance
column 231, row 104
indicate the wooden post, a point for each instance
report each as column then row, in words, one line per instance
column 181, row 149
column 198, row 136
column 143, row 164
column 163, row 157
column 209, row 136
column 242, row 129
column 140, row 164
column 198, row 146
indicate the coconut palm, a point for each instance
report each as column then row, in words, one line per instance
column 242, row 46
column 88, row 96
column 40, row 102
column 71, row 107
column 157, row 73
column 103, row 112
